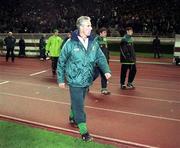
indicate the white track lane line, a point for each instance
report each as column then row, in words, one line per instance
column 96, row 108
column 150, row 80
column 143, row 98
column 141, row 86
column 97, row 92
column 37, row 73
column 4, row 82
column 143, row 62
column 76, row 132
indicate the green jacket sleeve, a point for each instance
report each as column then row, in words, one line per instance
column 62, row 64
column 102, row 62
column 48, row 45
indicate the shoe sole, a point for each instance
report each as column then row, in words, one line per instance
column 130, row 87
column 89, row 140
column 108, row 93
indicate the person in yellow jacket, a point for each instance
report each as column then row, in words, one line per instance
column 53, row 48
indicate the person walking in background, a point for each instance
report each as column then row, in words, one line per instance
column 102, row 40
column 128, row 59
column 22, row 47
column 68, row 36
column 76, row 63
column 10, row 42
column 42, row 47
column 1, row 46
column 53, row 48
column 156, row 47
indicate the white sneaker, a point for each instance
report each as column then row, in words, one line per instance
column 47, row 58
column 130, row 85
column 123, row 86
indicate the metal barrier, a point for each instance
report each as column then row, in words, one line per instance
column 32, row 41
column 177, row 49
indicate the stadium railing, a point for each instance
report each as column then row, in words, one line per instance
column 32, row 42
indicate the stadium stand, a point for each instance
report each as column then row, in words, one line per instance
column 151, row 17
column 35, row 17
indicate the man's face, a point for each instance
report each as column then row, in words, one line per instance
column 103, row 33
column 69, row 35
column 10, row 34
column 56, row 33
column 130, row 32
column 86, row 28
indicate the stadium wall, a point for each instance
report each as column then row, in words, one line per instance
column 142, row 44
column 177, row 49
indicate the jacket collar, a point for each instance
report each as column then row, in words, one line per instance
column 76, row 33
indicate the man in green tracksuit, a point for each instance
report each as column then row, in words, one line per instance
column 53, row 47
column 102, row 40
column 76, row 64
column 128, row 59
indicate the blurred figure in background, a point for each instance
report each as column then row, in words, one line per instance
column 10, row 42
column 42, row 47
column 22, row 47
column 1, row 46
column 68, row 36
column 156, row 47
column 53, row 48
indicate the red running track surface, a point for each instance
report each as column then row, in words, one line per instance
column 148, row 116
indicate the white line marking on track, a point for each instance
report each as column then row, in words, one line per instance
column 140, row 86
column 151, row 80
column 161, row 81
column 159, row 88
column 143, row 62
column 144, row 98
column 116, row 94
column 37, row 73
column 4, row 82
column 96, row 108
column 76, row 132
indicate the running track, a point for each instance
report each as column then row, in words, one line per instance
column 148, row 116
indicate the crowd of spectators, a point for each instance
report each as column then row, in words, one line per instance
column 145, row 16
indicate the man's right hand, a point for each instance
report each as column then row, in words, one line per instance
column 62, row 85
column 107, row 75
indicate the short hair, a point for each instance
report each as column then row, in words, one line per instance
column 129, row 28
column 81, row 19
column 55, row 30
column 10, row 33
column 102, row 29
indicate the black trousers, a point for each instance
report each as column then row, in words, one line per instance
column 42, row 53
column 10, row 52
column 98, row 71
column 156, row 53
column 21, row 51
column 54, row 64
column 132, row 73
